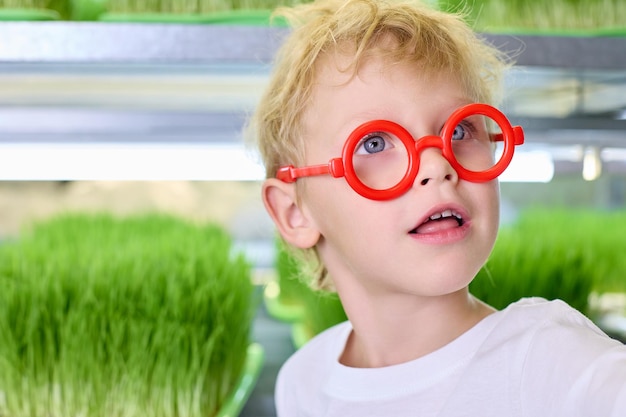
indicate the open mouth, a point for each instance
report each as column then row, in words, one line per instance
column 443, row 220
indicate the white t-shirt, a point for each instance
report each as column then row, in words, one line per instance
column 534, row 358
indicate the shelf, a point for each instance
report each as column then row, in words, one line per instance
column 567, row 52
column 100, row 82
column 97, row 43
column 100, row 42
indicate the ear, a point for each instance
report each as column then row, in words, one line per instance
column 292, row 222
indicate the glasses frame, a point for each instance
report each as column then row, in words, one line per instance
column 511, row 136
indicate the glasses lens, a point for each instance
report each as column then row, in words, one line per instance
column 380, row 160
column 473, row 142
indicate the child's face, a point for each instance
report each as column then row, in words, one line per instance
column 390, row 245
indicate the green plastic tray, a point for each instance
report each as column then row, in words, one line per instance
column 234, row 17
column 608, row 31
column 28, row 15
column 277, row 308
column 252, row 368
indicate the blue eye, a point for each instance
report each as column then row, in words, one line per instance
column 459, row 132
column 372, row 144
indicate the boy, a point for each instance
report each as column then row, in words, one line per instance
column 381, row 170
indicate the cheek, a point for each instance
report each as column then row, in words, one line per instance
column 492, row 206
column 485, row 202
column 335, row 204
column 339, row 213
column 496, row 197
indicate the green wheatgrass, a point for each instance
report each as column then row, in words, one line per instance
column 192, row 7
column 515, row 15
column 31, row 4
column 107, row 317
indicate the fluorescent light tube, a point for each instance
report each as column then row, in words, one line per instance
column 529, row 166
column 124, row 161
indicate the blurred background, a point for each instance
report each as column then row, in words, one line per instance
column 138, row 107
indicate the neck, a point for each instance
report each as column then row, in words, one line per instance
column 388, row 332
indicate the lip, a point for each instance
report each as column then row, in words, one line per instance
column 445, row 236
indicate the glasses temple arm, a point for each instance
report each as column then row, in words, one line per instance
column 518, row 135
column 290, row 174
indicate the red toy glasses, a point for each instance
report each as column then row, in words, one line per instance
column 380, row 159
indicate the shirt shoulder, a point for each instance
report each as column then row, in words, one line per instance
column 569, row 361
column 532, row 315
column 550, row 330
column 305, row 372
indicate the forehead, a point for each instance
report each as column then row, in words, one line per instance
column 343, row 61
column 342, row 86
column 384, row 60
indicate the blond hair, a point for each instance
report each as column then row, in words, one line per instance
column 434, row 40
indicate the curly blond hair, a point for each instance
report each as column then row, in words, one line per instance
column 434, row 40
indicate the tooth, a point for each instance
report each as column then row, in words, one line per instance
column 447, row 213
column 435, row 216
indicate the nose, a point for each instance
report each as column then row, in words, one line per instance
column 434, row 168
